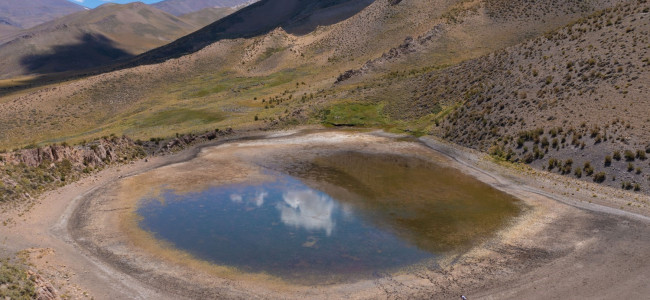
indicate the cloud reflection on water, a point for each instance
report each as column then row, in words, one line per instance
column 258, row 200
column 307, row 209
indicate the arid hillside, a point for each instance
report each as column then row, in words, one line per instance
column 183, row 7
column 207, row 16
column 27, row 14
column 506, row 77
column 573, row 101
column 6, row 29
column 89, row 38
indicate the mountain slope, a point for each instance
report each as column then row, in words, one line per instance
column 89, row 38
column 257, row 19
column 6, row 30
column 182, row 7
column 207, row 16
column 425, row 67
column 27, row 14
column 564, row 101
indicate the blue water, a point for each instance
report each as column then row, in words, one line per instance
column 283, row 228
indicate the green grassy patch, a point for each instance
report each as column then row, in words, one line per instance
column 226, row 82
column 179, row 116
column 354, row 114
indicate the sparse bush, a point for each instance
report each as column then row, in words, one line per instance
column 629, row 155
column 566, row 169
column 637, row 187
column 520, row 142
column 617, row 155
column 600, row 177
column 641, row 155
column 608, row 161
column 630, row 167
column 588, row 169
column 548, row 80
column 578, row 172
column 528, row 158
column 14, row 283
column 545, row 142
column 626, row 185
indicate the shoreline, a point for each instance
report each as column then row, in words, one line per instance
column 108, row 281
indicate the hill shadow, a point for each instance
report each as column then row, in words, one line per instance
column 93, row 50
column 297, row 17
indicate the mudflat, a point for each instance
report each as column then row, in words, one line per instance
column 571, row 240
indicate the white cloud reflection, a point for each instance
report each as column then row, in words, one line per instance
column 307, row 209
column 259, row 198
column 237, row 198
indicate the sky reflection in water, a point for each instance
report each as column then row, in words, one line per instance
column 283, row 228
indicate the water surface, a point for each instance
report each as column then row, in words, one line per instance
column 339, row 217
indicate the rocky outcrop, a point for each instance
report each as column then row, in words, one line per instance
column 93, row 154
column 26, row 173
column 44, row 290
column 189, row 139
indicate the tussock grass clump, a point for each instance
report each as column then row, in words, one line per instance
column 15, row 284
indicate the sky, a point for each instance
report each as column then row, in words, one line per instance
column 95, row 3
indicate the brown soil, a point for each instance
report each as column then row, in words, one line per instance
column 562, row 246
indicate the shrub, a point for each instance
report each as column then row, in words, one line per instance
column 626, row 185
column 637, row 187
column 566, row 169
column 520, row 142
column 528, row 158
column 578, row 172
column 15, row 283
column 617, row 155
column 545, row 142
column 630, row 167
column 588, row 169
column 629, row 155
column 640, row 155
column 608, row 161
column 600, row 177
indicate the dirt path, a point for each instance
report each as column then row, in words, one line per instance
column 573, row 242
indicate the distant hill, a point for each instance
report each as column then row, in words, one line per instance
column 27, row 14
column 207, row 16
column 295, row 16
column 182, row 7
column 89, row 38
column 6, row 29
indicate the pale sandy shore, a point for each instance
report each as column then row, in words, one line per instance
column 574, row 240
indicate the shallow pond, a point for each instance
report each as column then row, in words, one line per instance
column 343, row 216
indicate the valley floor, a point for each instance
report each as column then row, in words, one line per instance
column 574, row 240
